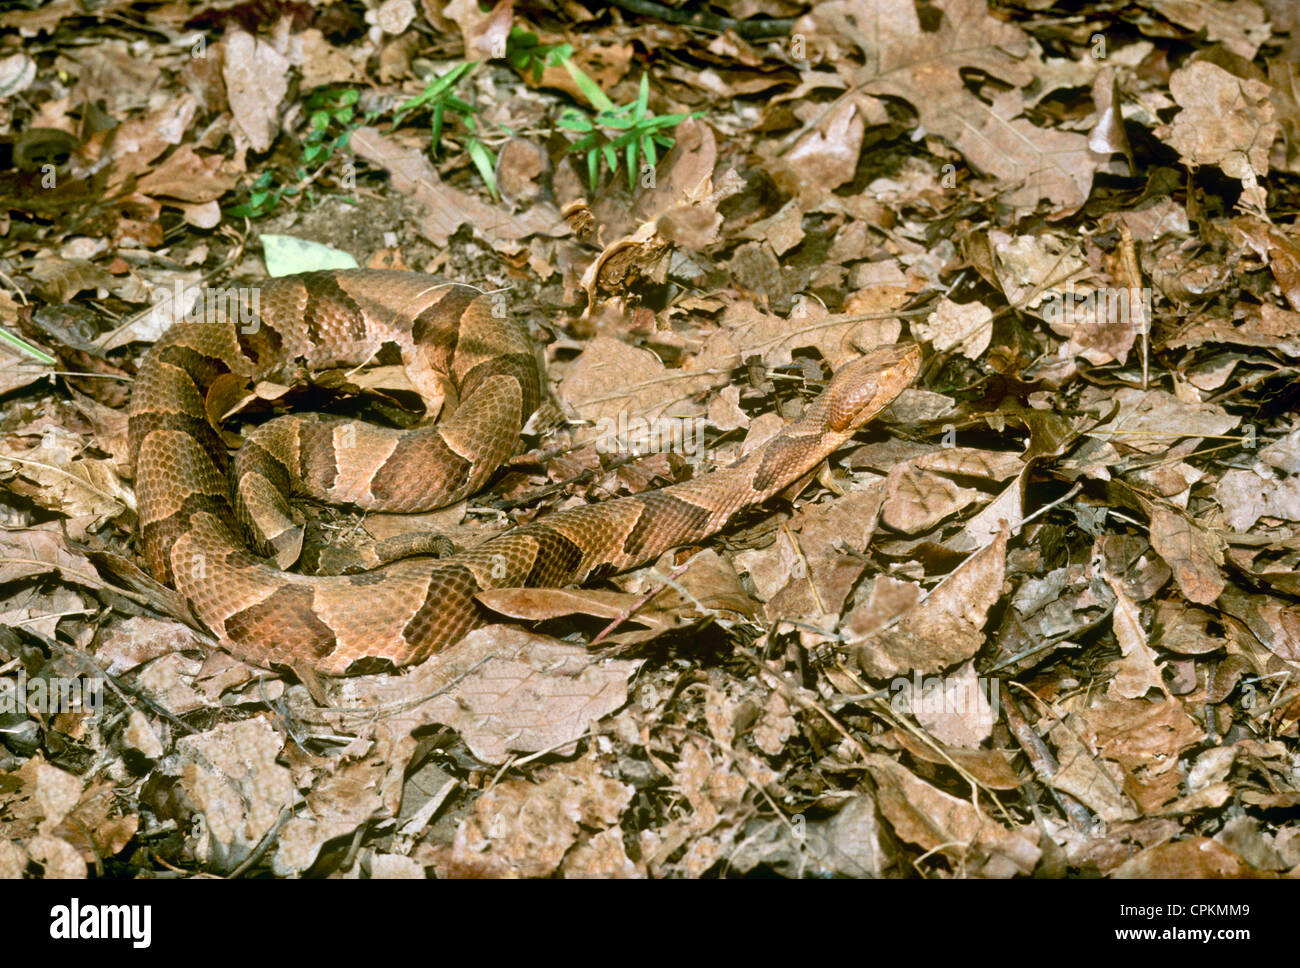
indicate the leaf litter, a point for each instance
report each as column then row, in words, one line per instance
column 1039, row 620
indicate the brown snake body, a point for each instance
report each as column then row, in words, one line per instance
column 201, row 540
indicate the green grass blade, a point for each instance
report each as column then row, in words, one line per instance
column 589, row 88
column 485, row 162
column 21, row 344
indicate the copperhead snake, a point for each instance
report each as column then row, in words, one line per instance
column 215, row 548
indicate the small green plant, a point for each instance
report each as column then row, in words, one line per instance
column 528, row 55
column 439, row 98
column 628, row 129
column 614, row 134
column 330, row 124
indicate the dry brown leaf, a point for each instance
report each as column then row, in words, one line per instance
column 989, row 767
column 945, row 628
column 611, row 378
column 916, row 501
column 928, row 68
column 448, row 208
column 747, row 331
column 822, row 570
column 1137, row 672
column 824, row 158
column 965, row 327
column 1094, row 782
column 934, row 820
column 523, row 829
column 1192, row 552
column 1198, row 857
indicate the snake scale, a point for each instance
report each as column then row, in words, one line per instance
column 220, row 530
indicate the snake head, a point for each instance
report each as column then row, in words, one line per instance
column 860, row 390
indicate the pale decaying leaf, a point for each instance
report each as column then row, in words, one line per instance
column 955, row 709
column 524, row 829
column 351, row 792
column 967, row 328
column 257, row 78
column 1246, row 497
column 1151, row 421
column 504, row 690
column 234, row 788
column 1225, row 121
column 851, row 843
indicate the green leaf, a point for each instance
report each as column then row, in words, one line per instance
column 349, row 96
column 611, row 158
column 648, row 149
column 320, row 120
column 437, row 128
column 26, row 347
column 593, row 166
column 573, row 120
column 485, row 161
column 642, row 98
column 589, row 88
column 286, row 254
column 309, row 152
column 583, row 144
column 631, row 166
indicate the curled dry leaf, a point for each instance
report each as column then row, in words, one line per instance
column 926, row 816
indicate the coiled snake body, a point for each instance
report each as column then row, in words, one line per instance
column 201, row 539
